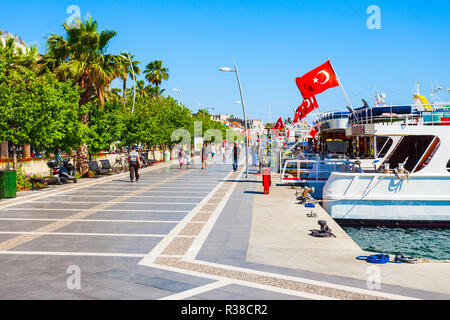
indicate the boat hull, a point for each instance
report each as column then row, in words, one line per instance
column 386, row 199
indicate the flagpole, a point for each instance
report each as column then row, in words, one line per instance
column 340, row 84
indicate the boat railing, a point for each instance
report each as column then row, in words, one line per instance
column 307, row 171
column 414, row 115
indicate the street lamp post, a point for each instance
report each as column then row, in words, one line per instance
column 225, row 69
column 179, row 92
column 134, row 79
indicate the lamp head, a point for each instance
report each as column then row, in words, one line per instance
column 226, row 69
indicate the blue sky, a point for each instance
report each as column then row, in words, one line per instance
column 272, row 43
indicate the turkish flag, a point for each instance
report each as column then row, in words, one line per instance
column 317, row 80
column 279, row 125
column 314, row 130
column 297, row 117
column 307, row 106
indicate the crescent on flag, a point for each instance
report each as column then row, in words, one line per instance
column 327, row 76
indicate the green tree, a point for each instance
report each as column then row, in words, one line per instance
column 106, row 126
column 154, row 120
column 38, row 110
column 81, row 56
column 207, row 123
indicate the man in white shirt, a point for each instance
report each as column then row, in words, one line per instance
column 135, row 163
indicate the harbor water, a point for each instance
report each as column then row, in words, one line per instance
column 431, row 243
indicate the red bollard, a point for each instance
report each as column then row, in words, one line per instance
column 267, row 181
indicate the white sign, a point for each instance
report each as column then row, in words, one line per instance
column 198, row 144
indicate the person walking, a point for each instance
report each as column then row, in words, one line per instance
column 235, row 152
column 254, row 155
column 204, row 154
column 135, row 164
column 181, row 157
column 213, row 152
column 223, row 150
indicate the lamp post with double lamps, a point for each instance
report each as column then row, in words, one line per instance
column 235, row 70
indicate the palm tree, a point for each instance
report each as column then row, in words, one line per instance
column 154, row 91
column 17, row 55
column 128, row 71
column 115, row 94
column 81, row 56
column 155, row 73
column 141, row 89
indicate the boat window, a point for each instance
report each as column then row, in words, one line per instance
column 414, row 152
column 448, row 166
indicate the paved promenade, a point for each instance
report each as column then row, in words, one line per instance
column 172, row 235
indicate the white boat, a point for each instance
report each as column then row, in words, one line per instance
column 411, row 185
column 314, row 170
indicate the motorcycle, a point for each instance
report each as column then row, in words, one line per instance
column 144, row 159
column 63, row 171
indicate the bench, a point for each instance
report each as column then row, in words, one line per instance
column 106, row 165
column 42, row 180
column 93, row 166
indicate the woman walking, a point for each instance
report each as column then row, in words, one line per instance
column 204, row 155
column 223, row 151
column 181, row 157
column 213, row 152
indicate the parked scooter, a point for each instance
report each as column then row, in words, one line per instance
column 144, row 159
column 63, row 171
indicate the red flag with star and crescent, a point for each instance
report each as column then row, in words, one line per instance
column 314, row 130
column 317, row 80
column 279, row 125
column 297, row 117
column 307, row 106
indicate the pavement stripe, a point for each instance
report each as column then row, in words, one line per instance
column 164, row 197
column 95, row 210
column 62, row 253
column 138, row 235
column 111, row 191
column 90, row 220
column 113, row 201
column 198, row 290
column 24, row 238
